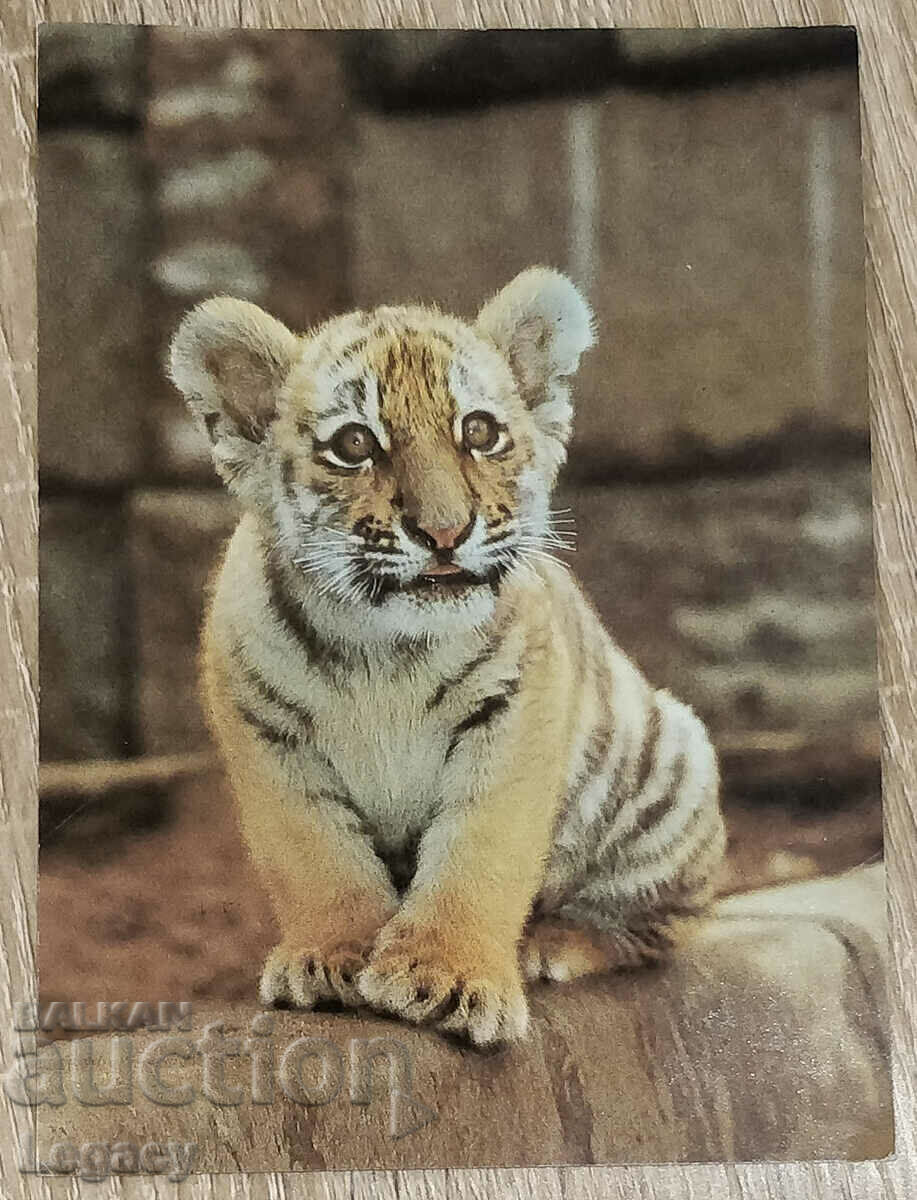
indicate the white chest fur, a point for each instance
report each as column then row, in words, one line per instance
column 382, row 720
column 387, row 746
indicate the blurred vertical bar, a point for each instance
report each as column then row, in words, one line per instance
column 823, row 150
column 582, row 127
column 94, row 365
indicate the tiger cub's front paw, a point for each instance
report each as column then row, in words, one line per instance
column 474, row 994
column 301, row 977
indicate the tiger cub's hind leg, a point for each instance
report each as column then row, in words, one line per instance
column 560, row 950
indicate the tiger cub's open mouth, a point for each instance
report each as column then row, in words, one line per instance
column 447, row 582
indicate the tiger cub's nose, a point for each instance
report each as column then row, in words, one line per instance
column 448, row 538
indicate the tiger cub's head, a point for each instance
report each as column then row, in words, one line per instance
column 403, row 459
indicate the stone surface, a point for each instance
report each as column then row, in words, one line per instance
column 235, row 87
column 782, row 987
column 728, row 271
column 248, row 137
column 175, row 539
column 752, row 598
column 448, row 209
column 89, row 74
column 83, row 640
column 94, row 360
column 718, row 234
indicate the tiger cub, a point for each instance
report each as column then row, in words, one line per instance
column 448, row 774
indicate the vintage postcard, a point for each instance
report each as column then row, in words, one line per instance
column 459, row 722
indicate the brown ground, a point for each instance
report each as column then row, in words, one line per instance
column 177, row 914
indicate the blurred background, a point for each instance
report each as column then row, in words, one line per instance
column 702, row 187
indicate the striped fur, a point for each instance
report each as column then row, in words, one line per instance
column 446, row 788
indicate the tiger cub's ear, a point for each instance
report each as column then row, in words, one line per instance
column 542, row 324
column 230, row 359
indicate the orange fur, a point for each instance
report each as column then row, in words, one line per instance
column 429, row 735
column 330, row 894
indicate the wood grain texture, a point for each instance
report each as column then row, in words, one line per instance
column 888, row 45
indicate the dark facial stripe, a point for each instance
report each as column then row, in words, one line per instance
column 379, row 586
column 288, row 476
column 348, row 395
column 408, row 333
column 556, row 429
column 497, row 573
column 231, row 469
column 289, row 612
column 490, row 650
column 359, row 395
column 374, row 533
column 482, row 715
column 442, row 337
column 355, row 348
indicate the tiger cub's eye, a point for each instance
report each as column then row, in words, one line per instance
column 353, row 444
column 480, row 431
